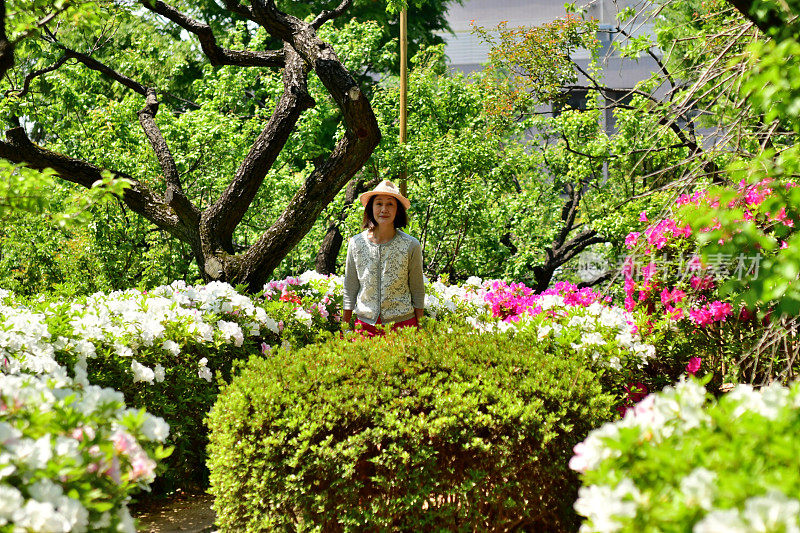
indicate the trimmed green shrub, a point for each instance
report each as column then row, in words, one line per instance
column 420, row 430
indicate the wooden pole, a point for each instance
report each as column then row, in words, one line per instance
column 403, row 91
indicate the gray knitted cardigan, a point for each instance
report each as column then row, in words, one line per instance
column 384, row 280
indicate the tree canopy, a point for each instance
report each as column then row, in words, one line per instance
column 238, row 87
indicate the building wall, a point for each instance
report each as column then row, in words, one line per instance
column 467, row 53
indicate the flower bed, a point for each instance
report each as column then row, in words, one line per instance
column 739, row 467
column 162, row 348
column 71, row 455
column 690, row 298
column 159, row 348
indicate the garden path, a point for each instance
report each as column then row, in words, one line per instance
column 185, row 512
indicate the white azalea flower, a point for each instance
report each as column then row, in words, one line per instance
column 158, row 373
column 204, row 372
column 772, row 512
column 41, row 516
column 232, row 332
column 699, row 488
column 721, row 520
column 171, row 346
column 603, row 506
column 10, row 501
column 155, row 428
column 304, row 317
column 142, row 372
column 474, row 281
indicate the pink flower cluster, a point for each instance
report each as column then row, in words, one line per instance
column 282, row 286
column 634, row 393
column 657, row 235
column 289, row 290
column 715, row 311
column 510, row 301
column 125, row 445
column 693, row 366
column 142, row 467
column 698, row 307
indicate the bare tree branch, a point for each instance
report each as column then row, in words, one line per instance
column 327, row 15
column 94, row 64
column 216, row 54
column 654, row 57
column 243, row 11
column 220, row 219
column 174, row 194
column 6, row 46
column 35, row 74
column 19, row 149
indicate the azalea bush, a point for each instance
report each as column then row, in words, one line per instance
column 160, row 349
column 71, row 455
column 739, row 467
column 563, row 319
column 446, row 428
column 163, row 348
column 305, row 306
column 682, row 291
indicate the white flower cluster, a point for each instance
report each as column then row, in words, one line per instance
column 442, row 299
column 332, row 284
column 656, row 416
column 600, row 327
column 773, row 512
column 128, row 322
column 33, row 446
column 611, row 501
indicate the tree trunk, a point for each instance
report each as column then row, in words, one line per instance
column 210, row 232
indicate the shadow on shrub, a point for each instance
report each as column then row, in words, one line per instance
column 424, row 430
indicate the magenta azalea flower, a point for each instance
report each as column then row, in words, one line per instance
column 693, row 365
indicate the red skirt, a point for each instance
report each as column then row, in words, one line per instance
column 368, row 330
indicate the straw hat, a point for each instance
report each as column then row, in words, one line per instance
column 388, row 188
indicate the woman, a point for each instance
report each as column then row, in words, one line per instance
column 383, row 274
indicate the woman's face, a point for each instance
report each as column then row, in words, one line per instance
column 384, row 209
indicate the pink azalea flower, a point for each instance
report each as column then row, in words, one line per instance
column 643, row 216
column 700, row 317
column 630, row 286
column 676, row 313
column 630, row 240
column 629, row 304
column 693, row 365
column 720, row 311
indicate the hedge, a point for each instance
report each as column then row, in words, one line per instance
column 420, row 430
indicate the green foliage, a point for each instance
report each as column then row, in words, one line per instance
column 771, row 87
column 72, row 455
column 532, row 65
column 460, row 163
column 683, row 462
column 423, row 430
